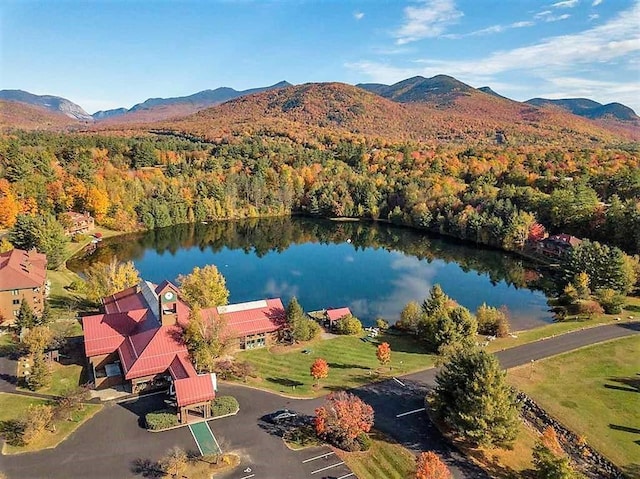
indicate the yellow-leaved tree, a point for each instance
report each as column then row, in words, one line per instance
column 204, row 287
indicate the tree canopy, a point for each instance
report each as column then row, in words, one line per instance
column 473, row 399
column 204, row 287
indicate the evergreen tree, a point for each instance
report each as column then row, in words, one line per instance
column 473, row 399
column 25, row 318
column 40, row 376
column 301, row 328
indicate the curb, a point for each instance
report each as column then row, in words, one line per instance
column 194, row 422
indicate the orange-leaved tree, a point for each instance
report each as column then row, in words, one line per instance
column 383, row 353
column 319, row 370
column 343, row 419
column 430, row 466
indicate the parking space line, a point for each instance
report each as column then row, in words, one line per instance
column 328, row 467
column 250, row 475
column 347, row 475
column 318, row 457
column 398, row 381
column 410, row 412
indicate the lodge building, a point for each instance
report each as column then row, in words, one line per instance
column 137, row 341
column 23, row 277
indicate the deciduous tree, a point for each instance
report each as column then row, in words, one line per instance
column 206, row 338
column 349, row 324
column 175, row 462
column 430, row 466
column 319, row 370
column 492, row 321
column 343, row 419
column 204, row 287
column 550, row 460
column 105, row 279
column 473, row 399
column 383, row 353
column 38, row 339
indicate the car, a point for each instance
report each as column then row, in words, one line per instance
column 282, row 415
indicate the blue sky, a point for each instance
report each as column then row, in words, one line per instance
column 107, row 54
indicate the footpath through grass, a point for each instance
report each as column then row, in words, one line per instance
column 352, row 362
column 594, row 391
column 383, row 459
column 14, row 407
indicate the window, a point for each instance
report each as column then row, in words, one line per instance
column 16, row 301
column 15, row 313
column 15, row 292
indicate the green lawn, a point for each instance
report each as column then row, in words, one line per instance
column 352, row 362
column 384, row 459
column 632, row 309
column 595, row 391
column 13, row 407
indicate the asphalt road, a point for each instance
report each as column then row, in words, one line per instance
column 114, row 445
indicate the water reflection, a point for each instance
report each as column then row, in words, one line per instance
column 374, row 269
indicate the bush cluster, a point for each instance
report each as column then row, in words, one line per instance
column 224, row 405
column 162, row 419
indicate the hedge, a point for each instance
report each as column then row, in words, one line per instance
column 224, row 405
column 162, row 419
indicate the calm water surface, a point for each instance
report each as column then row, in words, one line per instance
column 373, row 269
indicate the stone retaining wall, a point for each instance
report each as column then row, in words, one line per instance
column 587, row 460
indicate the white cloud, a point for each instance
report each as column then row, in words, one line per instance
column 548, row 16
column 430, row 19
column 565, row 4
column 555, row 57
column 358, row 15
column 596, row 3
column 489, row 30
column 593, row 17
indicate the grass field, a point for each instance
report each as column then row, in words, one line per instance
column 384, row 459
column 595, row 391
column 631, row 311
column 352, row 362
column 13, row 406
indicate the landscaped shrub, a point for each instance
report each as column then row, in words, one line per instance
column 224, row 405
column 349, row 324
column 161, row 419
column 364, row 441
column 610, row 301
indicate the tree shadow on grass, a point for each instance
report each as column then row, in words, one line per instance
column 346, row 366
column 285, row 382
column 632, row 430
column 631, row 384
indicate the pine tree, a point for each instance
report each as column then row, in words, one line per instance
column 472, row 398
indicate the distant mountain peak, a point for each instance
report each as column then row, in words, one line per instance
column 438, row 89
column 589, row 108
column 52, row 103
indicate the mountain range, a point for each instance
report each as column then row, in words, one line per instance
column 440, row 108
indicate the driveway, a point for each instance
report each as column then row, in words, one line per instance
column 113, row 444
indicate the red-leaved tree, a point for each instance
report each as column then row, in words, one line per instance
column 319, row 370
column 537, row 232
column 343, row 419
column 384, row 353
column 430, row 466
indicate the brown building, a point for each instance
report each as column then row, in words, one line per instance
column 23, row 277
column 77, row 223
column 557, row 246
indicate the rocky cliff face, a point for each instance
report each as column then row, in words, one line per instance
column 52, row 103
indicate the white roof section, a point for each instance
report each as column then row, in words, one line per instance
column 151, row 298
column 234, row 308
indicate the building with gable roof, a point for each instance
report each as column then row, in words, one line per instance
column 137, row 341
column 23, row 277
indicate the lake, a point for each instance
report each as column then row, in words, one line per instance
column 373, row 269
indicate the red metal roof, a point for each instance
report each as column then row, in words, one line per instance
column 154, row 351
column 20, row 269
column 104, row 333
column 124, row 301
column 338, row 313
column 262, row 319
column 194, row 390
